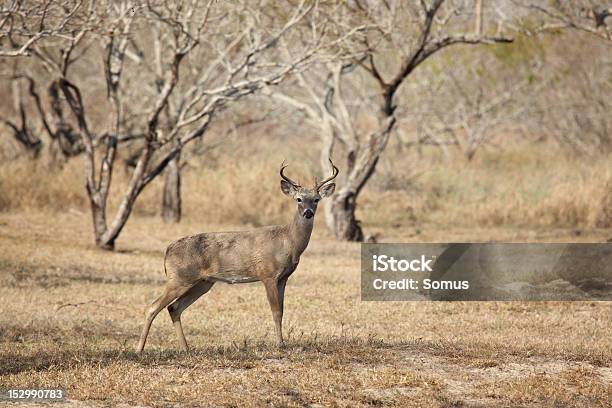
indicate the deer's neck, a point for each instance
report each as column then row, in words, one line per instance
column 299, row 234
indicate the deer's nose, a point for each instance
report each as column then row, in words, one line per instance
column 308, row 213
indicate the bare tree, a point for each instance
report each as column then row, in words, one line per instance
column 24, row 23
column 590, row 16
column 64, row 138
column 335, row 100
column 64, row 32
column 205, row 56
column 22, row 130
column 471, row 101
column 318, row 42
column 171, row 196
column 49, row 32
column 577, row 115
column 576, row 109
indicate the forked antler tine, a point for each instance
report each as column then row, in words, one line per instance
column 335, row 172
column 287, row 179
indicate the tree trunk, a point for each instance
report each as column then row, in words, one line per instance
column 98, row 213
column 340, row 211
column 171, row 201
column 478, row 24
column 341, row 216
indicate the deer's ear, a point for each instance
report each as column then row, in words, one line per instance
column 327, row 190
column 288, row 189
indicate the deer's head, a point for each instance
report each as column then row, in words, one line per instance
column 308, row 199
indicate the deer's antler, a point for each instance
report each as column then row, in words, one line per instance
column 335, row 172
column 287, row 179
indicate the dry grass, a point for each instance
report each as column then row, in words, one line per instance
column 529, row 187
column 71, row 315
column 74, row 313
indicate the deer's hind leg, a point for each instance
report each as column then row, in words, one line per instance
column 171, row 292
column 182, row 303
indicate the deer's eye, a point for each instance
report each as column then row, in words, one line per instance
column 316, row 200
column 299, row 200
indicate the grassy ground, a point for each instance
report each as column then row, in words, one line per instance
column 70, row 317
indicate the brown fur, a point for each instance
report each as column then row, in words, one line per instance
column 236, row 257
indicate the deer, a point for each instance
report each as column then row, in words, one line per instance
column 270, row 255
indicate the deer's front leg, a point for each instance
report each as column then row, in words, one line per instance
column 276, row 296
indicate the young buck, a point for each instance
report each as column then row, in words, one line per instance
column 271, row 254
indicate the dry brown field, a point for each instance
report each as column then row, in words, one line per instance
column 70, row 317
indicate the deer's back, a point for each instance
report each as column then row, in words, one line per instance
column 233, row 257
